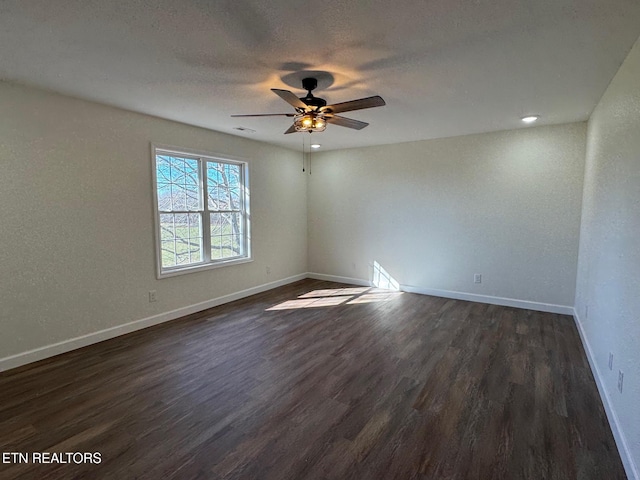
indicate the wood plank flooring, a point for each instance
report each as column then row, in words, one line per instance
column 317, row 380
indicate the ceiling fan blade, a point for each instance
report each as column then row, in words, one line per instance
column 290, row 98
column 291, row 129
column 368, row 102
column 267, row 115
column 346, row 122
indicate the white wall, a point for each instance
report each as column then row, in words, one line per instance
column 433, row 213
column 76, row 222
column 609, row 262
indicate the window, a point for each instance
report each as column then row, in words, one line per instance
column 201, row 209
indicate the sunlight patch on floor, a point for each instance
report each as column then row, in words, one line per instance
column 311, row 303
column 331, row 297
column 332, row 292
column 375, row 297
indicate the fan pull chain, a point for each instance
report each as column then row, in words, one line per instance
column 310, row 157
column 310, row 152
column 302, row 153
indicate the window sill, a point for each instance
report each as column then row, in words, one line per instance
column 201, row 267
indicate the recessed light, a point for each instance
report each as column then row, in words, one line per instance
column 315, row 145
column 530, row 118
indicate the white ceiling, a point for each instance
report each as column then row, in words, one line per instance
column 444, row 67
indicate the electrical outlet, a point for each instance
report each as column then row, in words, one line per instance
column 610, row 361
column 620, row 379
column 477, row 278
column 152, row 296
column 268, row 270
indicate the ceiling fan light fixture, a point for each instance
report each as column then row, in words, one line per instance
column 310, row 122
column 312, row 113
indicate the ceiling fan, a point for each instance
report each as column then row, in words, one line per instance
column 312, row 113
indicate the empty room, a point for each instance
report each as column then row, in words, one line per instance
column 344, row 240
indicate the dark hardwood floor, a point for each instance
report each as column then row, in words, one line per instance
column 317, row 380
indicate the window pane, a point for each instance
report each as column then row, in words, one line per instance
column 236, row 223
column 219, row 228
column 216, row 247
column 178, row 183
column 224, row 186
column 167, row 230
column 235, row 199
column 181, row 238
column 236, row 245
column 214, row 179
column 192, row 197
column 178, row 197
column 223, row 198
column 226, row 235
column 164, row 197
column 213, row 198
column 168, row 253
column 191, row 171
column 216, row 226
column 233, row 182
column 163, row 169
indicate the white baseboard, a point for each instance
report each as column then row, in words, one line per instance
column 505, row 302
column 41, row 353
column 471, row 297
column 335, row 278
column 618, row 434
column 95, row 337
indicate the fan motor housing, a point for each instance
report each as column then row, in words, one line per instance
column 314, row 101
column 310, row 84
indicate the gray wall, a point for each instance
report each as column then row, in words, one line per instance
column 433, row 213
column 608, row 286
column 77, row 240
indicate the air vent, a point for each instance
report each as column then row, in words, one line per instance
column 244, row 129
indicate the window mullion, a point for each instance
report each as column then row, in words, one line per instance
column 206, row 217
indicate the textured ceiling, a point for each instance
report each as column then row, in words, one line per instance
column 444, row 67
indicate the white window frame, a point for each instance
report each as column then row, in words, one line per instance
column 207, row 262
